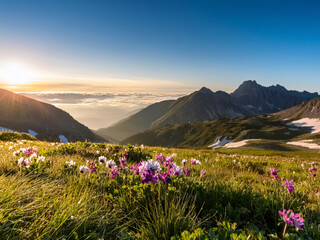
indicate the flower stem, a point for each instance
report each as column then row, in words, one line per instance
column 284, row 231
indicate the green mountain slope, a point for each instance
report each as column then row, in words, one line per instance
column 203, row 134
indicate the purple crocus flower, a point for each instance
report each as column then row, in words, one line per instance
column 148, row 177
column 135, row 168
column 203, row 173
column 169, row 159
column 114, row 173
column 165, row 178
column 274, row 173
column 160, row 158
column 314, row 174
column 187, row 171
column 289, row 185
column 292, row 219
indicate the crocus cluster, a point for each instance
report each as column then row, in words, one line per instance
column 292, row 219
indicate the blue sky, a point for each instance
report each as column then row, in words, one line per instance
column 166, row 45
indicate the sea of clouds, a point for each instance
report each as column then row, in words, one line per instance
column 99, row 110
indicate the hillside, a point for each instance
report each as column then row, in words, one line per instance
column 202, row 105
column 203, row 134
column 307, row 109
column 249, row 99
column 136, row 123
column 23, row 114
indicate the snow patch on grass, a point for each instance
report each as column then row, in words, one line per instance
column 240, row 143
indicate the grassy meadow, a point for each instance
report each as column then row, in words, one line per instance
column 227, row 194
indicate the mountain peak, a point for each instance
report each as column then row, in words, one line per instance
column 205, row 90
column 249, row 83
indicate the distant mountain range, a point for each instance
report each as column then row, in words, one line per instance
column 249, row 99
column 46, row 122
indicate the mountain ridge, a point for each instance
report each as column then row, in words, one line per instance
column 21, row 113
column 249, row 99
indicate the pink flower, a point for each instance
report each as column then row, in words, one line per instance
column 289, row 185
column 123, row 162
column 165, row 178
column 312, row 169
column 274, row 173
column 203, row 173
column 292, row 219
column 114, row 173
column 193, row 161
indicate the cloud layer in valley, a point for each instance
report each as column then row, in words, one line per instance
column 98, row 110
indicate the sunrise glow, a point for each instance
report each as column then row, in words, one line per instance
column 15, row 73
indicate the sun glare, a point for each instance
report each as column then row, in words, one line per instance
column 14, row 73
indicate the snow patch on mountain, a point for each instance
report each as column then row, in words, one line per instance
column 305, row 143
column 314, row 123
column 63, row 139
column 32, row 133
column 220, row 143
column 5, row 129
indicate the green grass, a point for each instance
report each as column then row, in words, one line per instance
column 237, row 197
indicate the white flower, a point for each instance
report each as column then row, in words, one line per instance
column 20, row 160
column 98, row 151
column 177, row 170
column 198, row 162
column 10, row 147
column 184, row 161
column 102, row 159
column 33, row 155
column 111, row 164
column 149, row 165
column 70, row 163
column 84, row 169
column 41, row 159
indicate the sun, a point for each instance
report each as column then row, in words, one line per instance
column 15, row 73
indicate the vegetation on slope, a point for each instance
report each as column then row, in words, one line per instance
column 203, row 134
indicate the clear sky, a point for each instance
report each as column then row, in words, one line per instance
column 73, row 45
